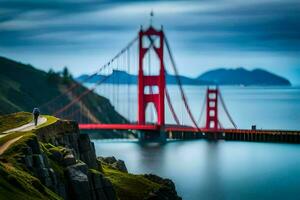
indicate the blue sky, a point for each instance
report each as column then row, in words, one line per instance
column 204, row 34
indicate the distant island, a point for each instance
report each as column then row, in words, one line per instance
column 241, row 76
column 222, row 76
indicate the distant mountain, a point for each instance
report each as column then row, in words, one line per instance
column 239, row 76
column 122, row 77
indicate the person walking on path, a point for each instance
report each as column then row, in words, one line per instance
column 35, row 113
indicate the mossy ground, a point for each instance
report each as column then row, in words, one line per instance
column 14, row 120
column 129, row 186
column 16, row 182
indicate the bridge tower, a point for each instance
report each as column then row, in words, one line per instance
column 212, row 121
column 157, row 98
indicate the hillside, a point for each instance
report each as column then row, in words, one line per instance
column 241, row 76
column 22, row 87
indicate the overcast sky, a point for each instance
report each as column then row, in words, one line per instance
column 204, row 34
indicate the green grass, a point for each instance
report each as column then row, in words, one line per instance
column 22, row 119
column 10, row 136
column 14, row 120
column 50, row 120
column 15, row 150
column 129, row 186
column 17, row 184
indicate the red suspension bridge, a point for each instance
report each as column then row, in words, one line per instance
column 139, row 57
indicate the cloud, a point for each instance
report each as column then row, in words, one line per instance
column 262, row 24
column 206, row 26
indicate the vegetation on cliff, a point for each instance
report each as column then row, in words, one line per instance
column 129, row 186
column 17, row 182
column 53, row 161
column 13, row 120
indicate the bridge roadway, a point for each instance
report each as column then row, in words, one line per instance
column 188, row 132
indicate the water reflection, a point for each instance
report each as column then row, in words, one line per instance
column 215, row 170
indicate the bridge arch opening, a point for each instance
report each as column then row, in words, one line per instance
column 151, row 89
column 151, row 113
column 151, row 63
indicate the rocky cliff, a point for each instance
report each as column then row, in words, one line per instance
column 60, row 163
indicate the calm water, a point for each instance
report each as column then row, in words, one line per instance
column 219, row 170
column 216, row 170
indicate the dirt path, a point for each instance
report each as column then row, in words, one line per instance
column 7, row 144
column 26, row 127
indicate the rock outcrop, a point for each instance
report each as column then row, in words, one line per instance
column 79, row 176
column 60, row 162
column 113, row 162
column 167, row 191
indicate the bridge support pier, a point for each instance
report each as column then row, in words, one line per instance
column 153, row 136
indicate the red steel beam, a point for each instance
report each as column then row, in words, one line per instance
column 175, row 128
column 117, row 127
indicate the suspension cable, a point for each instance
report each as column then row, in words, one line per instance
column 94, row 74
column 220, row 125
column 202, row 111
column 226, row 111
column 183, row 96
column 171, row 107
column 75, row 100
column 71, row 115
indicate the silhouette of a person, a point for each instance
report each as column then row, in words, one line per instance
column 35, row 113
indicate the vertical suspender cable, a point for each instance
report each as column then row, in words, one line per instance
column 128, row 85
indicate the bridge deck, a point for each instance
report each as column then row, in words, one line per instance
column 175, row 128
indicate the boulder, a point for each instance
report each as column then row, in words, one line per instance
column 167, row 191
column 120, row 165
column 112, row 161
column 87, row 151
column 69, row 159
column 166, row 182
column 79, row 188
column 108, row 160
